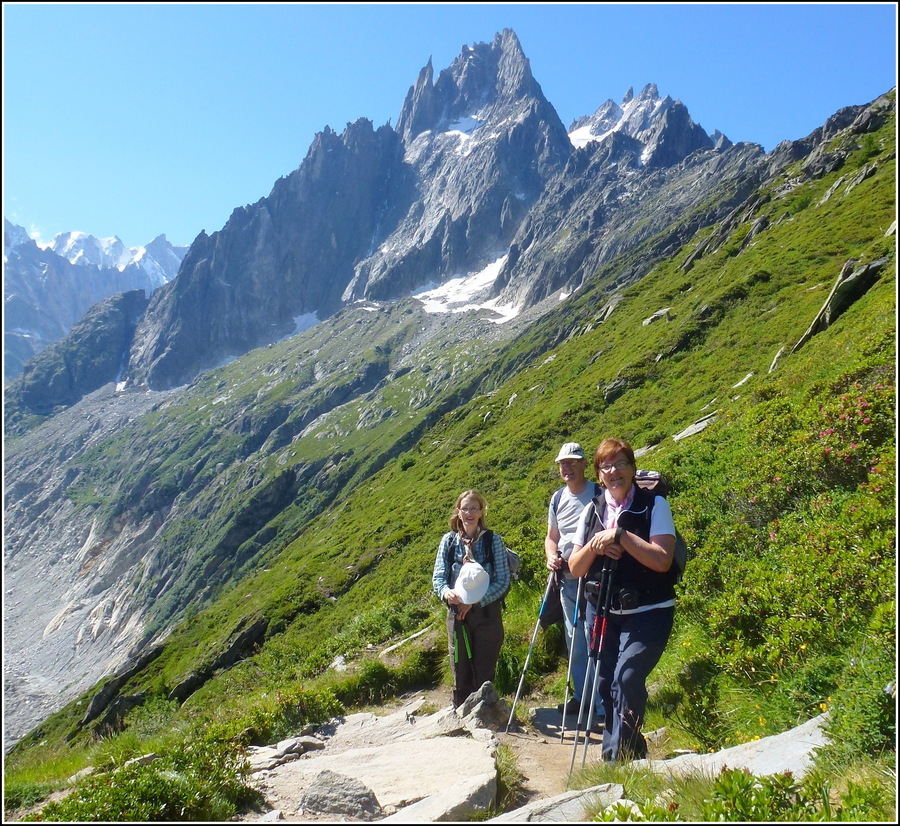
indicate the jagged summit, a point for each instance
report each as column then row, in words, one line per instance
column 481, row 77
column 14, row 236
column 480, row 145
column 641, row 118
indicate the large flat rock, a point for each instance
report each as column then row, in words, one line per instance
column 792, row 750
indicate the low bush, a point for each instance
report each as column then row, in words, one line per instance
column 202, row 780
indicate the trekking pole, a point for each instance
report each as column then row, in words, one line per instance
column 598, row 629
column 575, row 615
column 599, row 588
column 537, row 625
column 607, row 599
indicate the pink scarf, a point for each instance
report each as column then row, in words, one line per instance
column 614, row 509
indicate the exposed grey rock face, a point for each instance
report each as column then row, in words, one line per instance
column 71, row 612
column 480, row 145
column 606, row 203
column 287, row 255
column 369, row 214
column 640, row 169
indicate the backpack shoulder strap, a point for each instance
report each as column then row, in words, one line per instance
column 679, row 561
column 556, row 498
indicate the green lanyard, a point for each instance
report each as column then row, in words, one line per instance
column 465, row 636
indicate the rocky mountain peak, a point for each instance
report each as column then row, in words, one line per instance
column 86, row 250
column 661, row 125
column 14, row 236
column 482, row 76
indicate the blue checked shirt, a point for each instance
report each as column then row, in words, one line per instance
column 492, row 559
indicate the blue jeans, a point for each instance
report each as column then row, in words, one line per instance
column 632, row 646
column 577, row 643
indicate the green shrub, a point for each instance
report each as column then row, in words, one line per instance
column 372, row 683
column 203, row 780
column 271, row 716
column 863, row 716
column 736, row 796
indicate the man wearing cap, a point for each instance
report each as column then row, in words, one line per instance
column 566, row 507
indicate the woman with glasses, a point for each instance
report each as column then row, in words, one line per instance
column 632, row 532
column 471, row 574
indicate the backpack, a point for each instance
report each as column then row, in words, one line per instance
column 512, row 559
column 657, row 484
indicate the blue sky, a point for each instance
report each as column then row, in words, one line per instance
column 140, row 119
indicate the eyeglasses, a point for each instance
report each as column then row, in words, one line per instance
column 620, row 465
column 473, row 509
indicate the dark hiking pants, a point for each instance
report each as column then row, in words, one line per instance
column 632, row 646
column 476, row 662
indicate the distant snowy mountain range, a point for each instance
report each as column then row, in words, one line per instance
column 48, row 288
column 158, row 259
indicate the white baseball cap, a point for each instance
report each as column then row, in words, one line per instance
column 472, row 583
column 570, row 450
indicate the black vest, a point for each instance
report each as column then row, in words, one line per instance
column 652, row 586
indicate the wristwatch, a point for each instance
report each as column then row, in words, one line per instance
column 619, row 531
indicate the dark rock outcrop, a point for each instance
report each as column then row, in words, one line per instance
column 852, row 283
column 286, row 256
column 91, row 355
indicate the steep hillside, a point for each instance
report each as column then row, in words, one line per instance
column 300, row 491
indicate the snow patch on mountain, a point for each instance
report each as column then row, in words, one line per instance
column 465, row 293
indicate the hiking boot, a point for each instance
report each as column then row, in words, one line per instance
column 572, row 707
